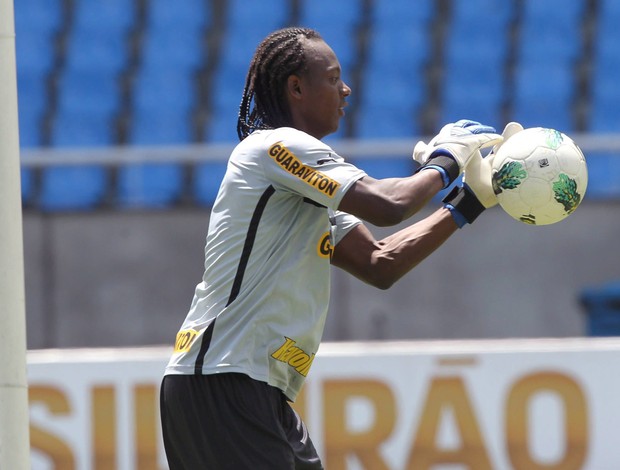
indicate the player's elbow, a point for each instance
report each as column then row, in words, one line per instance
column 384, row 283
column 381, row 276
column 389, row 214
column 381, row 282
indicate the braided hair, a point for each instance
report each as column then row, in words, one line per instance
column 278, row 56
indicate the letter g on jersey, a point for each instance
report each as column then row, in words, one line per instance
column 324, row 248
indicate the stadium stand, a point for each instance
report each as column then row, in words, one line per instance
column 163, row 98
column 133, row 72
column 36, row 25
column 488, row 34
column 242, row 35
column 604, row 167
column 545, row 81
column 89, row 96
column 164, row 15
column 394, row 83
column 605, row 116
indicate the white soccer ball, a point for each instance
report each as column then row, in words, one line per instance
column 539, row 176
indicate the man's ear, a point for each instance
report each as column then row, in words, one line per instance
column 293, row 87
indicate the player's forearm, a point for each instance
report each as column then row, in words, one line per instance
column 399, row 253
column 390, row 201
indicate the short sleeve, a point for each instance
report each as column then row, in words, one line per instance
column 299, row 163
column 342, row 223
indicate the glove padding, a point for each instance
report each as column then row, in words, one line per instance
column 478, row 174
column 458, row 141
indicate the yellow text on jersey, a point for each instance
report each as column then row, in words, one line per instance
column 294, row 356
column 184, row 340
column 289, row 161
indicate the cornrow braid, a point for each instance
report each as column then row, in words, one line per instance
column 278, row 56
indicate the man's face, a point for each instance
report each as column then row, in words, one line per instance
column 321, row 101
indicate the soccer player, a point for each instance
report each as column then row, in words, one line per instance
column 288, row 207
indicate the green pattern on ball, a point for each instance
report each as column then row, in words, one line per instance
column 509, row 176
column 528, row 219
column 565, row 192
column 554, row 138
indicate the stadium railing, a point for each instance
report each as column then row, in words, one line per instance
column 390, row 157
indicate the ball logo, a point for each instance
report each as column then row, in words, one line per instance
column 324, row 248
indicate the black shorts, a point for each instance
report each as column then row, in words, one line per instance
column 230, row 421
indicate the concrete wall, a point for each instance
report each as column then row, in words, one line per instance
column 127, row 278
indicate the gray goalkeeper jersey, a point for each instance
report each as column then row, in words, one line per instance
column 261, row 306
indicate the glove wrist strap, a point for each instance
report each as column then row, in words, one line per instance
column 465, row 203
column 448, row 163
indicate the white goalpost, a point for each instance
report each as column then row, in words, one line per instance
column 14, row 415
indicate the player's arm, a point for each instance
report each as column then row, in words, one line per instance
column 381, row 263
column 389, row 201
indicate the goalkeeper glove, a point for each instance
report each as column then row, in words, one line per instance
column 478, row 174
column 451, row 149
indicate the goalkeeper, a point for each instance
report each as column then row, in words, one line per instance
column 288, row 207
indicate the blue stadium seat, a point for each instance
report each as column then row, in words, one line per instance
column 36, row 23
column 603, row 175
column 394, row 86
column 543, row 96
column 550, row 44
column 116, row 17
column 172, row 48
column 605, row 97
column 604, row 91
column 472, row 91
column 97, row 50
column 222, row 125
column 30, row 134
column 386, row 167
column 605, row 101
column 402, row 13
column 45, row 17
column 76, row 187
column 397, row 88
column 226, row 96
column 244, row 33
column 546, row 41
column 493, row 14
column 171, row 127
column 32, row 100
column 475, row 53
column 337, row 23
column 35, row 52
column 72, row 187
column 27, row 185
column 478, row 42
column 607, row 30
column 187, row 15
column 386, row 122
column 207, row 179
column 389, row 103
column 399, row 50
column 153, row 185
column 88, row 92
column 251, row 17
column 327, row 14
column 535, row 11
column 78, row 129
column 164, row 90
